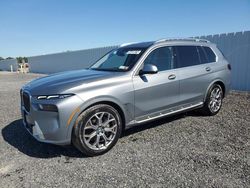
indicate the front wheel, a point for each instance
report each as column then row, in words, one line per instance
column 97, row 130
column 213, row 101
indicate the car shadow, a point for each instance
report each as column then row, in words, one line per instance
column 16, row 135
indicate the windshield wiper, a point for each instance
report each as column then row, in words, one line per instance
column 115, row 69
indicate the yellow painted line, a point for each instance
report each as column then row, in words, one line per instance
column 72, row 115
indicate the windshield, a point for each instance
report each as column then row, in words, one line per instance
column 121, row 59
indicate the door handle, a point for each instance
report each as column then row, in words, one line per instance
column 208, row 69
column 171, row 77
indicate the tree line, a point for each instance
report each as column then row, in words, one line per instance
column 1, row 58
column 19, row 59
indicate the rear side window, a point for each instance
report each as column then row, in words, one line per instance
column 161, row 57
column 187, row 56
column 210, row 54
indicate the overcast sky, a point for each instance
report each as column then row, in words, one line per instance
column 34, row 27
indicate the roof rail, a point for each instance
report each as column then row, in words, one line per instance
column 182, row 39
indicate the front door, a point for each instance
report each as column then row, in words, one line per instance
column 155, row 93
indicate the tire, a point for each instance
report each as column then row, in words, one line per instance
column 213, row 102
column 97, row 130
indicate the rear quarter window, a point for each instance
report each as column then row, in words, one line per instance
column 210, row 54
column 202, row 55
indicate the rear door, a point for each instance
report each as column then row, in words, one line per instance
column 195, row 73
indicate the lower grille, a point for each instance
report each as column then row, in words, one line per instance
column 26, row 101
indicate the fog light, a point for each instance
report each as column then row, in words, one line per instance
column 48, row 107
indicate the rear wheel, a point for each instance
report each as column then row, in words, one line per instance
column 97, row 130
column 213, row 101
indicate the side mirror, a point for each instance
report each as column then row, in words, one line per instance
column 148, row 69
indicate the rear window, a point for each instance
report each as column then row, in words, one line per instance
column 187, row 56
column 210, row 54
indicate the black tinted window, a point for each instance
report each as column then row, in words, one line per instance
column 210, row 54
column 161, row 57
column 187, row 56
column 202, row 55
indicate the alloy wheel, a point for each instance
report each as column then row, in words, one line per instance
column 100, row 130
column 215, row 100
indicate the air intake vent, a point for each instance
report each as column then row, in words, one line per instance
column 26, row 101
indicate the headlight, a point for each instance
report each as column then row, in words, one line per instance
column 48, row 97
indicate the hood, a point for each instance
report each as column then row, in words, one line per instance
column 59, row 82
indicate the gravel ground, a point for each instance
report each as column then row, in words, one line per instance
column 187, row 150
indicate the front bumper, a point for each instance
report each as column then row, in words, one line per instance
column 47, row 126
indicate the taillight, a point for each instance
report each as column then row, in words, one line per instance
column 229, row 66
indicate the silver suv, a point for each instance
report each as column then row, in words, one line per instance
column 133, row 84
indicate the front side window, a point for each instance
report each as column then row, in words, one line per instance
column 121, row 59
column 187, row 56
column 162, row 58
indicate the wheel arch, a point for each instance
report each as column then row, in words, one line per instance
column 115, row 106
column 112, row 102
column 222, row 85
column 219, row 82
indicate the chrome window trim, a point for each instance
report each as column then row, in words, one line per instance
column 139, row 63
